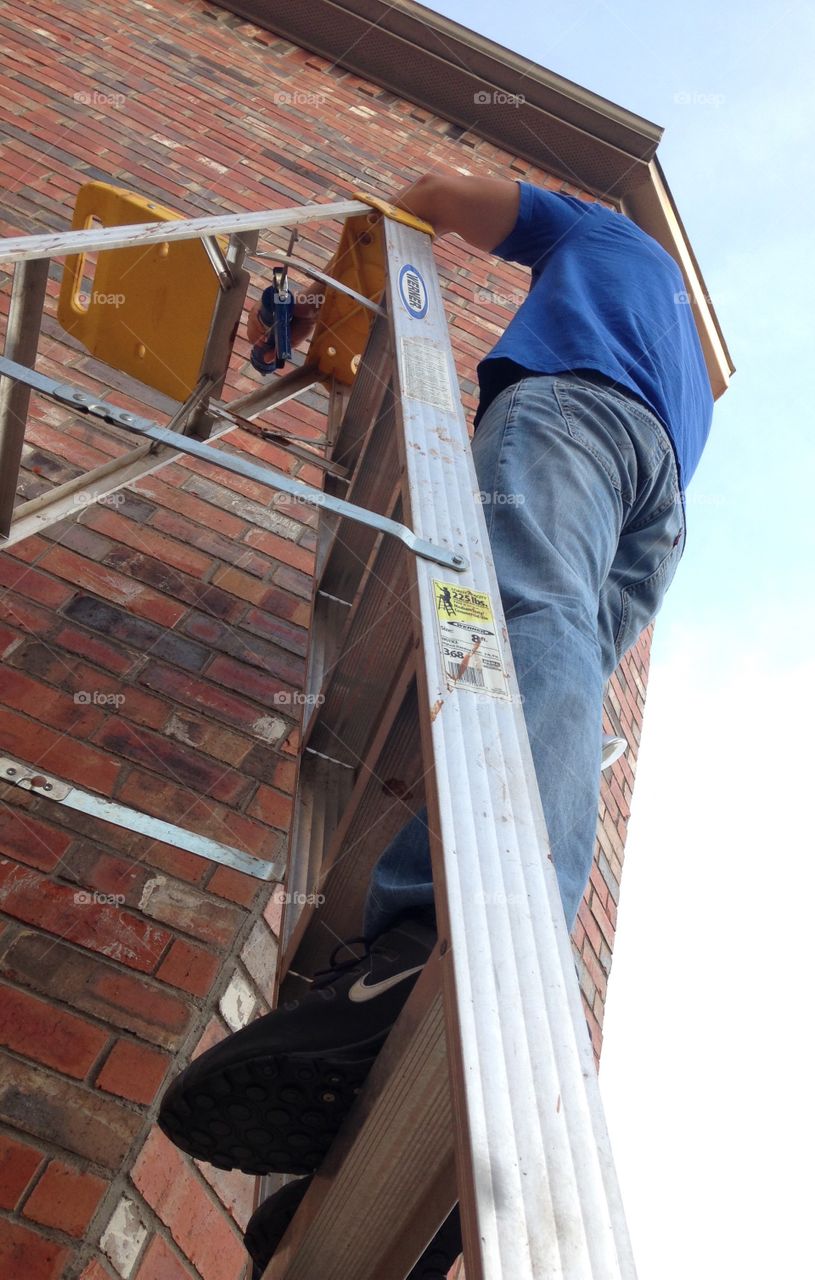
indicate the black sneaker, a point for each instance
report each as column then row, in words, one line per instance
column 269, row 1223
column 271, row 1098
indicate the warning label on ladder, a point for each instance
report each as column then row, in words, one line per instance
column 469, row 642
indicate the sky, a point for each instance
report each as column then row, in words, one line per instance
column 706, row 1071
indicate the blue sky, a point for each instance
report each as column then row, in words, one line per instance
column 706, row 1070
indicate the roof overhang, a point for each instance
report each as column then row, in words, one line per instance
column 437, row 64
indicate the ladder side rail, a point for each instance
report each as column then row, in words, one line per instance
column 22, row 338
column 59, row 244
column 536, row 1182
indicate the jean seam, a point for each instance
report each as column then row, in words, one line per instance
column 500, row 452
column 568, row 415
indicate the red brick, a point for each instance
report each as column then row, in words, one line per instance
column 94, row 986
column 25, row 616
column 216, row 741
column 27, row 1256
column 133, row 1071
column 142, row 538
column 220, row 548
column 193, row 1217
column 236, row 886
column 18, row 1164
column 282, row 549
column 272, row 807
column 52, row 706
column 65, row 1198
column 240, row 584
column 61, row 1111
column 32, row 584
column 208, row 697
column 28, row 896
column 110, row 585
column 189, row 966
column 189, row 911
column 215, row 634
column 29, row 839
column 300, row 584
column 606, row 927
column 260, row 685
column 37, row 1030
column 89, row 646
column 184, row 765
column 273, row 913
column 96, row 1271
column 8, row 639
column 197, row 512
column 161, row 1263
column 57, row 752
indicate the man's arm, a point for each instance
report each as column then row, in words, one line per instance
column 482, row 211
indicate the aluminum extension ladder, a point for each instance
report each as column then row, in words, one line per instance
column 486, row 1090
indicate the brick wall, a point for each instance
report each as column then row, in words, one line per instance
column 151, row 645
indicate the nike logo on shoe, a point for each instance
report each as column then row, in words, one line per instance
column 362, row 990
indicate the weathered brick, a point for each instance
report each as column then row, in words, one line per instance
column 196, row 731
column 31, row 840
column 236, row 886
column 25, row 1254
column 260, row 685
column 194, row 515
column 65, row 1198
column 18, row 1164
column 133, row 1071
column 264, row 622
column 71, row 1115
column 69, row 913
column 189, row 966
column 181, row 1202
column 245, row 648
column 186, row 767
column 60, row 710
column 85, row 983
column 282, row 549
column 110, row 656
column 24, row 615
column 56, row 752
column 300, row 584
column 259, row 954
column 272, row 807
column 137, row 633
column 184, row 908
column 111, row 585
column 221, row 548
column 200, row 695
column 37, row 1030
column 147, row 541
column 160, row 1262
column 33, row 584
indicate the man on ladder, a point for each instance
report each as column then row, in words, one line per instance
column 595, row 406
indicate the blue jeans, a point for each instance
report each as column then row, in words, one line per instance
column 586, row 527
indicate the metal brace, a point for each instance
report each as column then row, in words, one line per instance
column 28, row 778
column 84, row 402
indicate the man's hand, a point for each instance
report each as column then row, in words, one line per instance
column 482, row 211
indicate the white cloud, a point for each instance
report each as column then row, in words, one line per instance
column 706, row 1068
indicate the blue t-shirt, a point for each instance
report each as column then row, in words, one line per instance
column 603, row 296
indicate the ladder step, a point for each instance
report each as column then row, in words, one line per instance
column 388, row 1182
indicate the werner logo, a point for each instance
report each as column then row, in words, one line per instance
column 412, row 291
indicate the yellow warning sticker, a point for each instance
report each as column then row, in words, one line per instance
column 470, row 650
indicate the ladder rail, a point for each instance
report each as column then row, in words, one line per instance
column 536, row 1183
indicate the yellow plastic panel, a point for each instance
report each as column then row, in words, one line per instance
column 343, row 325
column 148, row 310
